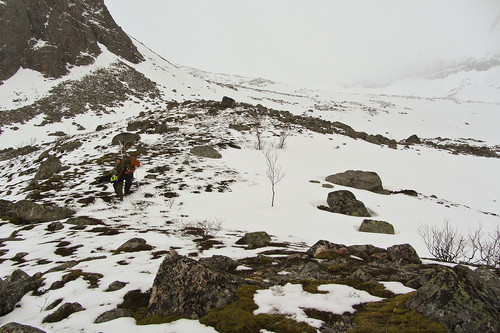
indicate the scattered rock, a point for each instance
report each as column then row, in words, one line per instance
column 411, row 193
column 112, row 315
column 32, row 213
column 255, row 239
column 134, row 245
column 13, row 288
column 403, row 253
column 63, row 312
column 380, row 227
column 19, row 328
column 461, row 299
column 205, row 151
column 125, row 138
column 345, row 202
column 186, row 287
column 48, row 168
column 363, row 180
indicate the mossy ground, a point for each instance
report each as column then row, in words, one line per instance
column 392, row 316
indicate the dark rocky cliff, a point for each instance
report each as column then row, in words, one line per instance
column 51, row 36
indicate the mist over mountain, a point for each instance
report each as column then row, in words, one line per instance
column 257, row 206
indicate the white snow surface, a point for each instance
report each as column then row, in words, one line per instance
column 460, row 188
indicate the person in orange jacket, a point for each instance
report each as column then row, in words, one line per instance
column 131, row 164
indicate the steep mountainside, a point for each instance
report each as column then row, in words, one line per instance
column 51, row 36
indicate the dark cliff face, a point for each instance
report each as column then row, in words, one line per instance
column 50, row 36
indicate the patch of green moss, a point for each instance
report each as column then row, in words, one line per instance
column 392, row 316
column 136, row 302
column 371, row 287
column 238, row 317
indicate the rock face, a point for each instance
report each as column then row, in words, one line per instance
column 461, row 299
column 185, row 287
column 363, row 180
column 380, row 227
column 48, row 167
column 345, row 202
column 50, row 36
column 205, row 151
column 14, row 288
column 31, row 212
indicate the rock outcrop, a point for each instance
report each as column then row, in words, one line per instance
column 461, row 299
column 50, row 36
column 187, row 288
column 19, row 328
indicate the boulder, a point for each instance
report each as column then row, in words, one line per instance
column 380, row 227
column 32, row 213
column 81, row 221
column 255, row 239
column 54, row 226
column 227, row 102
column 460, row 299
column 367, row 251
column 48, row 168
column 403, row 253
column 134, row 245
column 205, row 151
column 187, row 288
column 63, row 312
column 363, row 180
column 5, row 207
column 345, row 202
column 14, row 287
column 116, row 285
column 125, row 138
column 19, row 328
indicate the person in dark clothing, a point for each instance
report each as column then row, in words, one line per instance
column 117, row 177
column 131, row 164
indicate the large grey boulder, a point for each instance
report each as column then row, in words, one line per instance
column 14, row 287
column 363, row 180
column 403, row 253
column 48, row 168
column 345, row 202
column 375, row 226
column 205, row 151
column 461, row 299
column 32, row 213
column 187, row 288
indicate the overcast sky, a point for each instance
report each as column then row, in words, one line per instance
column 316, row 42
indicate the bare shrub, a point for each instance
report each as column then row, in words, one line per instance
column 447, row 244
column 258, row 127
column 443, row 243
column 273, row 171
column 484, row 248
column 285, row 133
column 204, row 228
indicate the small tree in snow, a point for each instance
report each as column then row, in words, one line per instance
column 273, row 171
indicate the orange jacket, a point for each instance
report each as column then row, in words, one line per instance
column 133, row 163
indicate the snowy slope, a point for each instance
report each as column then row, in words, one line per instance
column 460, row 188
